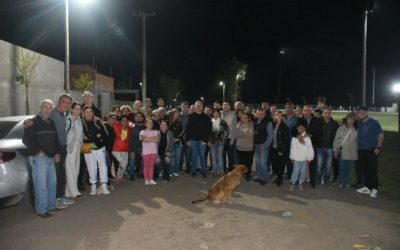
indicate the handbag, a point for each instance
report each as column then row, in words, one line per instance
column 86, row 148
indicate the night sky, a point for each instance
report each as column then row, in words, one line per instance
column 190, row 39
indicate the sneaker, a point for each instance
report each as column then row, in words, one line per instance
column 146, row 182
column 105, row 189
column 300, row 186
column 55, row 210
column 341, row 186
column 67, row 201
column 292, row 186
column 374, row 193
column 93, row 189
column 60, row 204
column 175, row 174
column 152, row 182
column 46, row 215
column 364, row 190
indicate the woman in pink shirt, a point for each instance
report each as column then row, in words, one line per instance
column 150, row 139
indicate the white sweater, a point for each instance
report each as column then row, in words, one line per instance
column 301, row 152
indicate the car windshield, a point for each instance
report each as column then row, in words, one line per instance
column 17, row 131
column 5, row 127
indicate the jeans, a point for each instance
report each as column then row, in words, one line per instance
column 176, row 154
column 229, row 151
column 262, row 152
column 345, row 172
column 324, row 157
column 299, row 172
column 187, row 154
column 44, row 182
column 216, row 156
column 198, row 154
column 165, row 167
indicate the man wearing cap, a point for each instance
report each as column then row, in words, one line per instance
column 370, row 140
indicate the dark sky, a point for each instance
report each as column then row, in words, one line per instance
column 190, row 39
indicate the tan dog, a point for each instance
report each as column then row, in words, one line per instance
column 222, row 190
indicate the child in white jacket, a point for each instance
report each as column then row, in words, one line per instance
column 301, row 154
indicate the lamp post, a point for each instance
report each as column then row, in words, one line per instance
column 221, row 83
column 237, row 87
column 369, row 9
column 396, row 90
column 66, row 63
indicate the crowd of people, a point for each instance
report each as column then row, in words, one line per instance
column 74, row 142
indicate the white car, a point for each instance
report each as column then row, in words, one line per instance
column 15, row 177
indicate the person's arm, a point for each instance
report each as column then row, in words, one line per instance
column 380, row 143
column 310, row 150
column 233, row 129
column 29, row 140
column 270, row 132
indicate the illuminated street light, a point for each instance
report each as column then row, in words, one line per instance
column 221, row 83
column 66, row 63
column 396, row 88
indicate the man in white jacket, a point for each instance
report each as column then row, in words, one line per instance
column 301, row 154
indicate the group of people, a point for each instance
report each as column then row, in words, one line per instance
column 140, row 141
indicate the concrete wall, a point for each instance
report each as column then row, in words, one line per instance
column 47, row 81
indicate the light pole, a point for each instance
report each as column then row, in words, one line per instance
column 278, row 91
column 66, row 63
column 221, row 83
column 396, row 90
column 369, row 8
column 237, row 87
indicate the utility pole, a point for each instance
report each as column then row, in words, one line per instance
column 368, row 9
column 144, row 15
column 373, row 88
column 278, row 91
column 66, row 63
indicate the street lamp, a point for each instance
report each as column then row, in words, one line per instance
column 66, row 63
column 221, row 83
column 396, row 90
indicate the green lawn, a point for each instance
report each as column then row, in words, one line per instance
column 388, row 121
column 389, row 159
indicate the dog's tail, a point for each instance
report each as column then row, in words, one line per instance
column 202, row 200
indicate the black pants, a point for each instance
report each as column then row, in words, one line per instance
column 312, row 169
column 368, row 164
column 278, row 163
column 61, row 177
column 83, row 174
column 162, row 166
column 228, row 155
column 246, row 158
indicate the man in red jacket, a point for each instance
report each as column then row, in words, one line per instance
column 120, row 148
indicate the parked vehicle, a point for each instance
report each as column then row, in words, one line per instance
column 15, row 170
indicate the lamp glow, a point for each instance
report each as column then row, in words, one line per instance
column 396, row 88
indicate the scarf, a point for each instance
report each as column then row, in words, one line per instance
column 216, row 124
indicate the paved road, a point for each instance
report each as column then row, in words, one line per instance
column 135, row 216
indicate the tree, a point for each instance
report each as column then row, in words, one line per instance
column 26, row 64
column 231, row 73
column 170, row 88
column 84, row 82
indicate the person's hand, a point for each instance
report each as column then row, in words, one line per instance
column 167, row 159
column 132, row 154
column 232, row 142
column 280, row 153
column 98, row 135
column 335, row 155
column 158, row 161
column 209, row 144
column 28, row 123
column 189, row 143
column 56, row 158
column 376, row 151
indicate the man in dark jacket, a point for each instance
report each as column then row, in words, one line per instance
column 314, row 130
column 44, row 150
column 324, row 149
column 263, row 136
column 135, row 147
column 197, row 134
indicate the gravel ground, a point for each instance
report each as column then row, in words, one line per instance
column 136, row 216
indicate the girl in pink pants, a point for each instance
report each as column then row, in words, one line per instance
column 150, row 139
